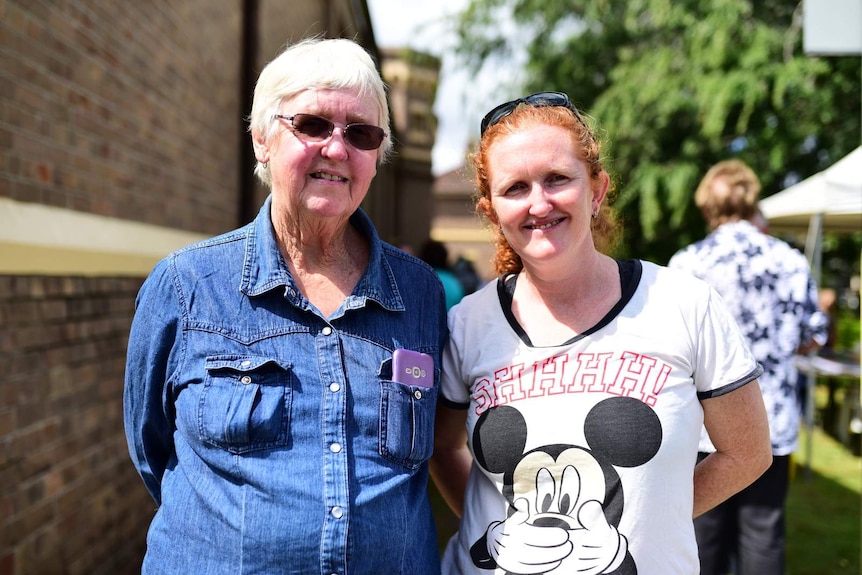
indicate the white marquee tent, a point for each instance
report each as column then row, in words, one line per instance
column 834, row 196
column 830, row 200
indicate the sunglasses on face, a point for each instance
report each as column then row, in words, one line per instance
column 312, row 128
column 538, row 100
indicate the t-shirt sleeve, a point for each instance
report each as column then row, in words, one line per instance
column 455, row 393
column 724, row 360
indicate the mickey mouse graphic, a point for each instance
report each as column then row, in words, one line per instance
column 565, row 501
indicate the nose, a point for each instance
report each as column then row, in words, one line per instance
column 540, row 201
column 335, row 146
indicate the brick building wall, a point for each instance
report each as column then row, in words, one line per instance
column 70, row 500
column 113, row 115
column 124, row 109
column 121, row 138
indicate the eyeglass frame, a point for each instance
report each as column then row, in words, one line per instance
column 537, row 100
column 344, row 129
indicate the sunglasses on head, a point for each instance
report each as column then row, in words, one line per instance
column 312, row 128
column 538, row 100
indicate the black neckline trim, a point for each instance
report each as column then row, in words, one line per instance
column 630, row 276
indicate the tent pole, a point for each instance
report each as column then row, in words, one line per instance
column 814, row 252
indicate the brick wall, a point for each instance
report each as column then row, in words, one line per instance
column 128, row 110
column 70, row 499
column 123, row 109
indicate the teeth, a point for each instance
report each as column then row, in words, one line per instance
column 330, row 177
column 544, row 226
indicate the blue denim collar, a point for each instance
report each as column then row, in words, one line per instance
column 264, row 268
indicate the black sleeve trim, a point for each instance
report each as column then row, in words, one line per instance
column 451, row 404
column 751, row 376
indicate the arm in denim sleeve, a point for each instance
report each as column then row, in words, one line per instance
column 154, row 345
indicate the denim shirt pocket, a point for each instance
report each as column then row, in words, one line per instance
column 245, row 403
column 407, row 423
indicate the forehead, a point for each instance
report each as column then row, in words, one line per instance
column 531, row 147
column 533, row 135
column 341, row 105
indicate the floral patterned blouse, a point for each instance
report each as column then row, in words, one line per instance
column 768, row 288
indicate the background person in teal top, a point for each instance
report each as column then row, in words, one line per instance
column 436, row 255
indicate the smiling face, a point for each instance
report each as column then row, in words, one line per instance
column 324, row 181
column 542, row 195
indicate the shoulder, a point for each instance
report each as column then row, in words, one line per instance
column 403, row 260
column 690, row 256
column 234, row 239
column 209, row 256
column 781, row 249
column 672, row 290
column 478, row 302
column 678, row 279
column 409, row 272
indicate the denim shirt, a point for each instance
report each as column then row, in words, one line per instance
column 273, row 439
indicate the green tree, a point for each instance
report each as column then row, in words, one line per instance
column 674, row 86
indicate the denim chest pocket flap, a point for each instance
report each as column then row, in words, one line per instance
column 245, row 402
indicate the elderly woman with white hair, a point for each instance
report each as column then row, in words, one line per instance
column 261, row 407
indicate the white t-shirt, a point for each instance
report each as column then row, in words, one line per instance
column 584, row 452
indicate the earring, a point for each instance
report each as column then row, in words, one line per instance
column 595, row 212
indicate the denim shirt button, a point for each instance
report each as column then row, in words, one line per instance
column 417, row 394
column 337, row 512
column 245, row 380
column 335, row 447
column 334, row 387
column 327, row 330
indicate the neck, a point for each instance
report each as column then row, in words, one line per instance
column 583, row 279
column 326, row 267
column 552, row 310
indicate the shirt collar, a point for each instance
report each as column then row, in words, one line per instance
column 264, row 268
column 736, row 226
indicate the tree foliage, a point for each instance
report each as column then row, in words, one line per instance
column 674, row 86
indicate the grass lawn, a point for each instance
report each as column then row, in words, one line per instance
column 824, row 527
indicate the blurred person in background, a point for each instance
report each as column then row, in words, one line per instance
column 465, row 269
column 768, row 288
column 260, row 406
column 436, row 255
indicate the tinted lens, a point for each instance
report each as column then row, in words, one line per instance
column 496, row 114
column 312, row 126
column 364, row 136
column 548, row 99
